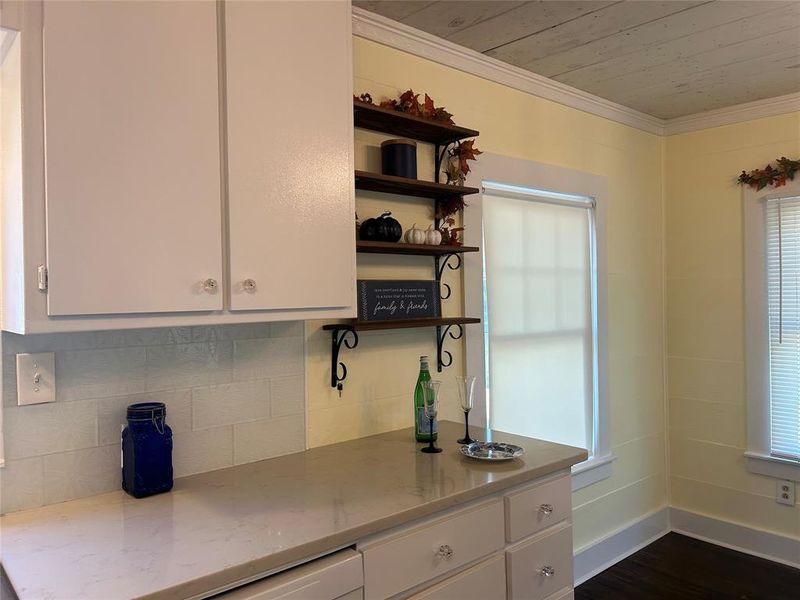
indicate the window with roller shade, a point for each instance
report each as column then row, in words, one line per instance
column 782, row 236
column 540, row 313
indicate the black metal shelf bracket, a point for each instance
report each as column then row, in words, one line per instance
column 439, row 153
column 440, row 264
column 443, row 357
column 339, row 337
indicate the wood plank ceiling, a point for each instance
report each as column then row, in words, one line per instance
column 666, row 59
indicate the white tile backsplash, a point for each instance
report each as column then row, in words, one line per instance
column 287, row 396
column 99, row 373
column 230, row 403
column 265, row 358
column 232, row 391
column 203, row 450
column 81, row 473
column 21, row 484
column 261, row 439
column 188, row 365
column 47, row 428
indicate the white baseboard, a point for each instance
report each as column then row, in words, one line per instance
column 763, row 544
column 619, row 544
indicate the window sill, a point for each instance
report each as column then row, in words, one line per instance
column 591, row 471
column 764, row 464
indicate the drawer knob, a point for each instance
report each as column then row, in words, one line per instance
column 210, row 286
column 445, row 552
column 547, row 571
column 249, row 285
column 546, row 509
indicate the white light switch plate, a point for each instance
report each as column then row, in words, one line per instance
column 36, row 378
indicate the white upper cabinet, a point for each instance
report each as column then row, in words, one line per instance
column 182, row 163
column 290, row 165
column 132, row 159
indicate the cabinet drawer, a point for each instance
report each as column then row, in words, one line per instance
column 335, row 577
column 531, row 510
column 527, row 564
column 484, row 581
column 418, row 554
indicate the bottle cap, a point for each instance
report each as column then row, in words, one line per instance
column 424, row 357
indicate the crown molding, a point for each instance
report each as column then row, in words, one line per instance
column 748, row 111
column 397, row 35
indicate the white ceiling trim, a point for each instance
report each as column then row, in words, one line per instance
column 748, row 111
column 397, row 35
column 402, row 37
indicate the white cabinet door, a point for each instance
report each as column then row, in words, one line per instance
column 132, row 156
column 290, row 147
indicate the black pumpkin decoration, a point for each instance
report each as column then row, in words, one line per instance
column 381, row 229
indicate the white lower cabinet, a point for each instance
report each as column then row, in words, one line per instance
column 337, row 576
column 459, row 554
column 404, row 559
column 517, row 546
column 484, row 581
column 540, row 567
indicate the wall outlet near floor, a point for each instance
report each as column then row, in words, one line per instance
column 36, row 378
column 784, row 492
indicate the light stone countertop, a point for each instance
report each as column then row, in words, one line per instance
column 220, row 527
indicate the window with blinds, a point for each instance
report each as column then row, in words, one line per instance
column 540, row 312
column 783, row 302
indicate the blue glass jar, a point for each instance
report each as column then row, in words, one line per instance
column 147, row 450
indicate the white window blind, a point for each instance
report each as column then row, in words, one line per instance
column 783, row 300
column 540, row 313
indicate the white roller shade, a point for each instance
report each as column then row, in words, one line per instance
column 539, row 293
column 783, row 293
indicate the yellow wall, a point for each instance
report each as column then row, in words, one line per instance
column 705, row 317
column 382, row 371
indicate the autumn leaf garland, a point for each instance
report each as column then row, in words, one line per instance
column 409, row 103
column 776, row 176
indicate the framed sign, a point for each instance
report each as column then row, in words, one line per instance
column 390, row 299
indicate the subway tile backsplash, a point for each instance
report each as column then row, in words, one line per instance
column 234, row 394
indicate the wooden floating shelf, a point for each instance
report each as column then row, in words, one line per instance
column 357, row 325
column 403, row 186
column 412, row 249
column 370, row 116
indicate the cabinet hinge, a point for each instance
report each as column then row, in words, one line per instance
column 42, row 275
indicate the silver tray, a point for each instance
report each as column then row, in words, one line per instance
column 493, row 451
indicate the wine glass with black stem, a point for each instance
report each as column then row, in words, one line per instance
column 430, row 391
column 466, row 390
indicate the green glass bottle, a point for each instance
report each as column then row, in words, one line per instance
column 422, row 426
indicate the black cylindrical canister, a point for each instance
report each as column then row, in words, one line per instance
column 399, row 158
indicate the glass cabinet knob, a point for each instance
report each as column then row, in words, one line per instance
column 445, row 552
column 546, row 509
column 210, row 285
column 249, row 285
column 547, row 571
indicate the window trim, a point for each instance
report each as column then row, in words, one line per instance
column 757, row 457
column 530, row 174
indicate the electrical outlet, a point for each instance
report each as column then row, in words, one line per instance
column 36, row 378
column 785, row 492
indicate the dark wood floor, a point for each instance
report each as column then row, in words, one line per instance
column 677, row 567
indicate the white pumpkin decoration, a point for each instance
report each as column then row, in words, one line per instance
column 415, row 235
column 433, row 237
